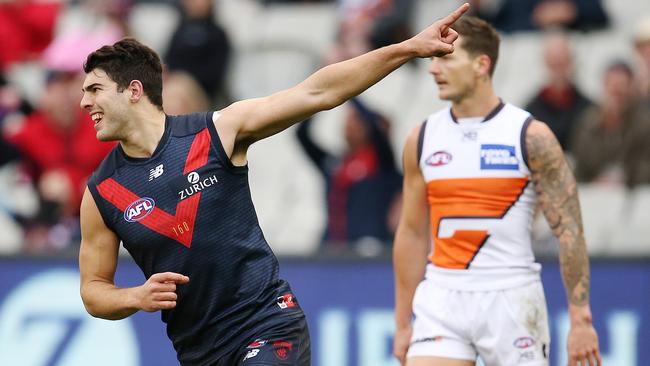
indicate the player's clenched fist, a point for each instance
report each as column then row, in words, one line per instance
column 438, row 39
column 159, row 292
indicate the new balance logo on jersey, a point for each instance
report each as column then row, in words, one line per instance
column 499, row 157
column 156, row 172
column 196, row 184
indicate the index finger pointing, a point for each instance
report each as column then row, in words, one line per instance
column 451, row 18
column 172, row 277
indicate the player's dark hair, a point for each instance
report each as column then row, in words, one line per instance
column 478, row 38
column 129, row 60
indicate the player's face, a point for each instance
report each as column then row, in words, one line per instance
column 454, row 73
column 106, row 105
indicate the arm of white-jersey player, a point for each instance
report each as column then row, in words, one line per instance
column 411, row 245
column 558, row 197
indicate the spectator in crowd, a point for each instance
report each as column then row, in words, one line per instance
column 182, row 94
column 11, row 102
column 26, row 28
column 636, row 151
column 58, row 145
column 57, row 141
column 370, row 24
column 266, row 2
column 559, row 102
column 528, row 15
column 610, row 140
column 18, row 199
column 99, row 23
column 362, row 186
column 642, row 46
column 202, row 48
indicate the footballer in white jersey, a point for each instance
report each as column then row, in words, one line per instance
column 474, row 174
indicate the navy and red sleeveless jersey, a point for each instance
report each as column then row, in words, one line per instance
column 188, row 209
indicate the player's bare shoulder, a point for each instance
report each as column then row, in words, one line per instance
column 543, row 149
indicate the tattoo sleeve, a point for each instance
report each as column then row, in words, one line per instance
column 557, row 194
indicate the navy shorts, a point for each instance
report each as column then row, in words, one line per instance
column 288, row 345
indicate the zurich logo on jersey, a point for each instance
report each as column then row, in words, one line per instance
column 139, row 209
column 499, row 157
column 439, row 158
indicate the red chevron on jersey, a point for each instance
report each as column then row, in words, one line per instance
column 179, row 227
column 198, row 155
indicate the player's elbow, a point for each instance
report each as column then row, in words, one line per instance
column 93, row 305
column 89, row 304
column 95, row 311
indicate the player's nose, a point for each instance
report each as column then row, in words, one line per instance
column 434, row 67
column 85, row 102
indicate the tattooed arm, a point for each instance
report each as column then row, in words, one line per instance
column 557, row 193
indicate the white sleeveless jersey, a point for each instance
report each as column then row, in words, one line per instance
column 481, row 200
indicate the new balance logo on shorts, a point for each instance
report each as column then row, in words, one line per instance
column 250, row 354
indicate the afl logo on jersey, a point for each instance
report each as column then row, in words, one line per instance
column 439, row 158
column 139, row 209
column 524, row 342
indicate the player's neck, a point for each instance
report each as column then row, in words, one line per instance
column 147, row 128
column 479, row 104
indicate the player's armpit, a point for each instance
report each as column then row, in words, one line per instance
column 556, row 190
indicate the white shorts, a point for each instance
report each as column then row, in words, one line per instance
column 503, row 327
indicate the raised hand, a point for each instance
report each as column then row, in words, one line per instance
column 159, row 292
column 438, row 39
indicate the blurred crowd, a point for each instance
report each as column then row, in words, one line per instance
column 48, row 147
column 47, row 142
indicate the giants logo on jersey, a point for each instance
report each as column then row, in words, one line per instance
column 439, row 158
column 139, row 209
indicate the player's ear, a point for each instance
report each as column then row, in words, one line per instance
column 135, row 90
column 482, row 65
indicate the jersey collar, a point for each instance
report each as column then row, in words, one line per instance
column 488, row 117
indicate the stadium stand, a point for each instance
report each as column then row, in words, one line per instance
column 277, row 45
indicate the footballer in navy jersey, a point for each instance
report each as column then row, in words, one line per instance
column 175, row 192
column 187, row 209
